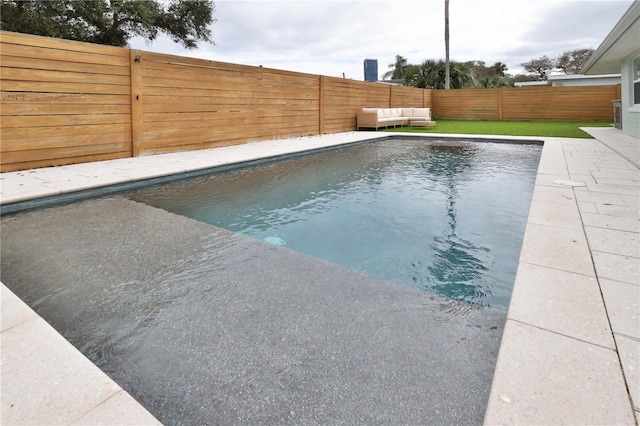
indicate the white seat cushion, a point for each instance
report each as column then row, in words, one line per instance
column 422, row 112
column 386, row 113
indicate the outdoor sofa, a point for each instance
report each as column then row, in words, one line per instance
column 375, row 118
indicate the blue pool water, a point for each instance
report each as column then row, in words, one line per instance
column 443, row 216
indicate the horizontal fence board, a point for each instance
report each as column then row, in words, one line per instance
column 57, row 87
column 229, row 84
column 233, row 105
column 17, row 121
column 58, row 43
column 211, row 75
column 223, row 118
column 80, row 99
column 13, row 54
column 49, row 162
column 24, row 109
column 200, row 141
column 261, row 124
column 21, row 74
column 62, row 141
column 64, row 152
column 58, row 65
column 119, row 58
column 46, row 132
column 158, row 60
column 225, row 97
column 18, row 160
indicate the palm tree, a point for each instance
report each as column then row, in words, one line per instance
column 500, row 69
column 447, row 75
column 425, row 75
column 398, row 69
column 461, row 75
column 432, row 74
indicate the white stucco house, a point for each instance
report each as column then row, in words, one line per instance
column 584, row 80
column 556, row 80
column 620, row 53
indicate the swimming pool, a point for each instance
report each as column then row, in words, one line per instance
column 207, row 326
column 446, row 217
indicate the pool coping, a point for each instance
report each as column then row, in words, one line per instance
column 580, row 227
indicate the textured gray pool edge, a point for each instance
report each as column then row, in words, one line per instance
column 109, row 189
column 505, row 407
column 277, row 329
column 71, row 196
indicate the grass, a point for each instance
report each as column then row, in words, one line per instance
column 560, row 129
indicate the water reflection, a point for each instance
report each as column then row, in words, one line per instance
column 444, row 217
column 454, row 268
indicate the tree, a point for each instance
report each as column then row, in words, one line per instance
column 500, row 69
column 540, row 67
column 398, row 69
column 447, row 72
column 571, row 61
column 425, row 75
column 492, row 82
column 432, row 74
column 111, row 22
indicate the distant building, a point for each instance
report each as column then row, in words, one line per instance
column 370, row 70
column 573, row 80
column 393, row 82
column 584, row 80
column 531, row 83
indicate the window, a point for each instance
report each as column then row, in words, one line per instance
column 636, row 81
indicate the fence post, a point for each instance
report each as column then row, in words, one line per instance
column 500, row 104
column 136, row 102
column 321, row 107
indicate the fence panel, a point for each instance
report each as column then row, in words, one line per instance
column 584, row 103
column 408, row 97
column 344, row 98
column 62, row 102
column 466, row 104
column 193, row 104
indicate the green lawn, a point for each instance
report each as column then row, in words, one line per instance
column 561, row 129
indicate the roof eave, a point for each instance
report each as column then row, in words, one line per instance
column 621, row 42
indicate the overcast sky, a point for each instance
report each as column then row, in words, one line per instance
column 334, row 37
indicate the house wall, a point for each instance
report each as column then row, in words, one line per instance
column 630, row 113
column 584, row 80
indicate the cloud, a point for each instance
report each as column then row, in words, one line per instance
column 332, row 37
column 580, row 24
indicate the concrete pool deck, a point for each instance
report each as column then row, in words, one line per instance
column 571, row 346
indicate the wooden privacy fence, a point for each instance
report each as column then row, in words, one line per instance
column 66, row 102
